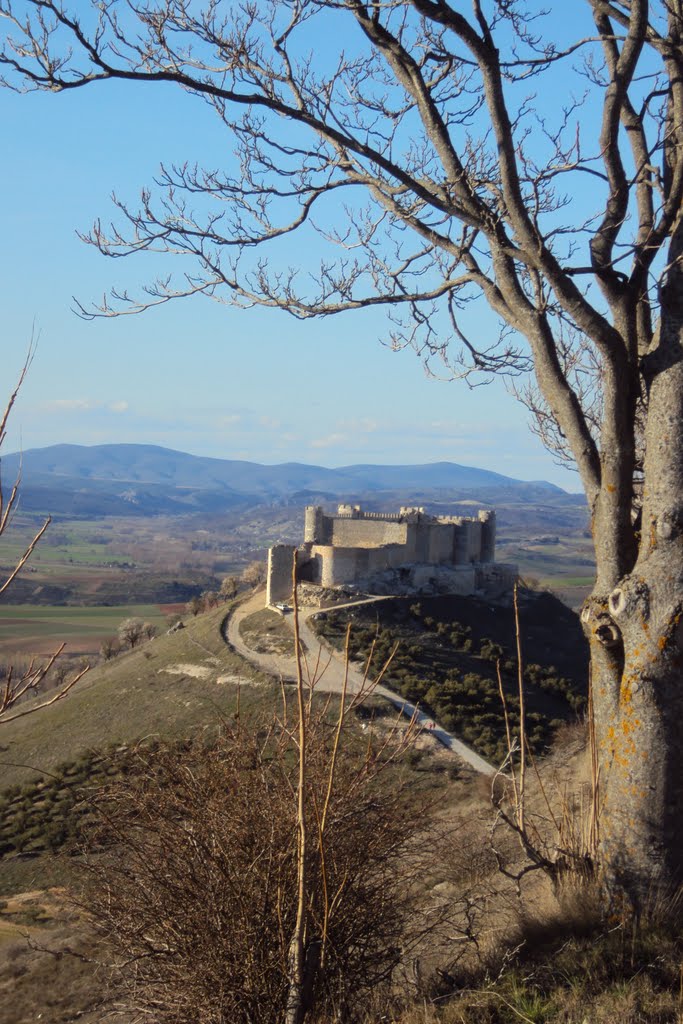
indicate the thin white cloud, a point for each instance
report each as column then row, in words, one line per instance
column 361, row 425
column 331, row 441
column 68, row 405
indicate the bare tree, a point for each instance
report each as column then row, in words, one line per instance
column 475, row 158
column 21, row 684
column 8, row 502
column 228, row 587
column 131, row 632
column 254, row 574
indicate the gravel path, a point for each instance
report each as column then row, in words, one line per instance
column 328, row 667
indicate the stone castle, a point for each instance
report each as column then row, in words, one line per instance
column 405, row 552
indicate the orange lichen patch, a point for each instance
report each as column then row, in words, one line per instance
column 611, row 488
column 626, row 692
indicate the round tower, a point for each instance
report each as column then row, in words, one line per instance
column 313, row 524
column 488, row 535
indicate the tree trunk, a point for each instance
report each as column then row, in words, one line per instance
column 636, row 636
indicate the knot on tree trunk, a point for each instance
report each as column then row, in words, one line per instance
column 667, row 525
column 599, row 624
column 631, row 597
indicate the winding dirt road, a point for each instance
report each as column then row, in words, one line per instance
column 328, row 667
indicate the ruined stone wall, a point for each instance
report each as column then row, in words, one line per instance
column 279, row 580
column 496, row 577
column 337, row 565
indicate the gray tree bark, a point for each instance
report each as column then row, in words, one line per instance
column 636, row 637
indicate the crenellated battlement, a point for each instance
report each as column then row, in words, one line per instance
column 353, row 545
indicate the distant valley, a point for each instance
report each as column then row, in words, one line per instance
column 141, row 525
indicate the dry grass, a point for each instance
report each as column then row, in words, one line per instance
column 508, row 951
column 266, row 632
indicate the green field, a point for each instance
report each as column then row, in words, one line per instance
column 35, row 629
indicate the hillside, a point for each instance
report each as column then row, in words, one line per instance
column 509, row 956
column 445, row 655
column 168, row 687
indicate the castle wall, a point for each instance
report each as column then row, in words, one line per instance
column 496, row 577
column 279, row 581
column 340, row 565
column 364, row 533
column 345, row 565
column 441, row 543
column 353, row 545
column 452, row 579
column 474, row 530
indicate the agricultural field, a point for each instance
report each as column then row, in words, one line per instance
column 38, row 629
column 562, row 562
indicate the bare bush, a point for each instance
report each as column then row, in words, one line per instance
column 200, row 899
column 109, row 648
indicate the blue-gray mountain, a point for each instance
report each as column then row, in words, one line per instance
column 123, row 479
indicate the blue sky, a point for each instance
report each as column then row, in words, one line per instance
column 193, row 375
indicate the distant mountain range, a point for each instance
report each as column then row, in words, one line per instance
column 126, row 479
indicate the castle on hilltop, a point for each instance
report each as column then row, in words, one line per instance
column 406, row 552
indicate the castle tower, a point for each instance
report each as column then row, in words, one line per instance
column 313, row 525
column 488, row 536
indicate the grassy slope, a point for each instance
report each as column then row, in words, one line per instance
column 131, row 697
column 560, row 970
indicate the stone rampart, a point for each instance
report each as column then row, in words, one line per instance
column 279, row 580
column 364, row 533
column 354, row 546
